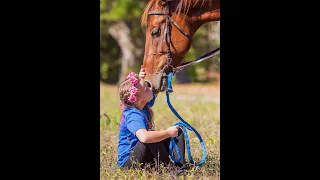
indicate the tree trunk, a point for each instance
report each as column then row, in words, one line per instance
column 121, row 33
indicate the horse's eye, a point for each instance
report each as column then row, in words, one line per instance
column 155, row 32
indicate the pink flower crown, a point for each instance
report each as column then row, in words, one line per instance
column 133, row 90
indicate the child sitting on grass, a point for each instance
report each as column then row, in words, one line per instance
column 138, row 142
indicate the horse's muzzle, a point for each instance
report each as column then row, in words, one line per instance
column 159, row 83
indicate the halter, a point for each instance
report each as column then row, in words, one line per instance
column 167, row 39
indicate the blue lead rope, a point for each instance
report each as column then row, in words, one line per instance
column 184, row 125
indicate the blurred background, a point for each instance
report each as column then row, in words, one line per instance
column 196, row 95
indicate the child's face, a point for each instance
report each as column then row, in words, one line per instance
column 144, row 93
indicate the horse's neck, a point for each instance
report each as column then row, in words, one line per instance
column 203, row 3
column 207, row 13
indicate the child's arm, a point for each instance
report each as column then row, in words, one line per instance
column 145, row 136
column 136, row 125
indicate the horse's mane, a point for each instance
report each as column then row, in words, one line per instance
column 182, row 6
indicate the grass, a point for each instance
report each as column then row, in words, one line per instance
column 199, row 105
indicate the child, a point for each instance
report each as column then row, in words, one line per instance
column 138, row 142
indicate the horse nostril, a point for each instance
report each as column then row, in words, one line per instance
column 148, row 84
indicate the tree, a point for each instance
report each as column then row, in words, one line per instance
column 121, row 32
column 120, row 19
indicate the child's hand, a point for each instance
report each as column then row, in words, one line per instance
column 142, row 73
column 173, row 131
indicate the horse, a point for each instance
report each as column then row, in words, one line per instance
column 170, row 26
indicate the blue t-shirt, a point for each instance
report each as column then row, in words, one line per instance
column 134, row 119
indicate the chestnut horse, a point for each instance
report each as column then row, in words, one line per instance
column 170, row 26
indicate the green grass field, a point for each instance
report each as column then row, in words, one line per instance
column 199, row 105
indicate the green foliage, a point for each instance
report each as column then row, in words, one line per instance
column 109, row 57
column 115, row 10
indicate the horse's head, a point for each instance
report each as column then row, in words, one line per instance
column 170, row 25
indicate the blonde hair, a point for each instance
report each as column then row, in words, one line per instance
column 124, row 93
